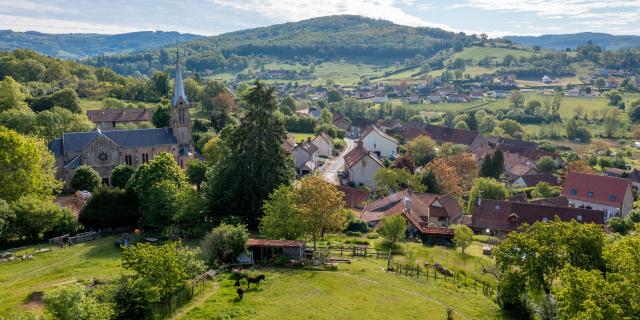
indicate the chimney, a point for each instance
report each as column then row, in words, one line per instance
column 359, row 143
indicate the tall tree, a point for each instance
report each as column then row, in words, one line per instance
column 86, row 178
column 422, row 149
column 243, row 179
column 11, row 96
column 322, row 205
column 282, row 217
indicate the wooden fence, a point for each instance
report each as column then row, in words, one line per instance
column 181, row 297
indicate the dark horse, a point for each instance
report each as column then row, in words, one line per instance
column 240, row 292
column 255, row 280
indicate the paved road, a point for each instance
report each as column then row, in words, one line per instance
column 330, row 169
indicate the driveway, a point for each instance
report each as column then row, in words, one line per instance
column 329, row 170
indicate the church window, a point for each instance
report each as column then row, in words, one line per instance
column 128, row 160
column 145, row 157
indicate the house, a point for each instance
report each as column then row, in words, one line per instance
column 361, row 165
column 104, row 150
column 305, row 157
column 612, row 83
column 516, row 166
column 532, row 180
column 341, row 122
column 380, row 99
column 573, row 92
column 358, row 126
column 531, row 154
column 501, row 141
column 265, row 249
column 455, row 98
column 434, row 98
column 389, row 124
column 107, row 119
column 498, row 217
column 611, row 194
column 546, row 79
column 472, row 139
column 309, row 112
column 289, row 144
column 379, row 142
column 324, row 143
column 476, row 96
column 633, row 176
column 354, row 197
column 508, row 80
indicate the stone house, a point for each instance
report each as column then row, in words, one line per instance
column 324, row 143
column 305, row 157
column 108, row 119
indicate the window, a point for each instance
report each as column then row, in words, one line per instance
column 574, row 191
column 612, row 197
column 145, row 157
column 128, row 160
column 545, row 219
column 590, row 194
column 579, row 217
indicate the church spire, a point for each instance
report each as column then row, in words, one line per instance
column 178, row 86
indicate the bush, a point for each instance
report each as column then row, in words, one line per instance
column 224, row 243
column 373, row 236
column 354, row 233
column 357, row 225
column 110, row 208
column 75, row 302
column 620, row 225
column 35, row 217
column 121, row 175
column 86, row 178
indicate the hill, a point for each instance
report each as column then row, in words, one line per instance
column 332, row 37
column 563, row 41
column 78, row 45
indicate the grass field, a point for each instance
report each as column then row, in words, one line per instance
column 361, row 290
column 478, row 53
column 97, row 259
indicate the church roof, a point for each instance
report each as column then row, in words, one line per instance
column 77, row 141
column 178, row 86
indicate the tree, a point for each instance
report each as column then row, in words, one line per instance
column 66, row 98
column 393, row 180
column 26, row 167
column 326, row 117
column 462, row 236
column 620, row 225
column 334, row 96
column 493, row 165
column 446, row 176
column 54, row 122
column 614, row 97
column 241, row 180
column 223, row 104
column 472, row 122
column 393, row 229
column 430, row 182
column 517, row 99
column 405, row 162
column 121, row 175
column 544, row 190
column 224, row 243
column 466, row 168
column 160, row 83
column 422, row 149
column 7, row 216
column 36, row 216
column 546, row 164
column 612, row 122
column 161, row 116
column 196, row 172
column 487, row 188
column 76, row 302
column 282, row 218
column 461, row 125
column 322, row 206
column 110, row 208
column 510, row 127
column 86, row 178
column 576, row 131
column 11, row 95
column 213, row 151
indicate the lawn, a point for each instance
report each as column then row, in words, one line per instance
column 96, row 259
column 361, row 290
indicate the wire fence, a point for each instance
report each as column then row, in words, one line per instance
column 184, row 295
column 53, row 244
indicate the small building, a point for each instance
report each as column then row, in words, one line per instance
column 264, row 249
column 324, row 143
column 532, row 180
column 633, row 176
column 361, row 165
column 379, row 142
column 354, row 197
column 546, row 79
column 341, row 122
column 305, row 157
column 610, row 194
column 357, row 126
column 108, row 119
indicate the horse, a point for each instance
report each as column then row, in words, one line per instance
column 255, row 280
column 237, row 284
column 240, row 292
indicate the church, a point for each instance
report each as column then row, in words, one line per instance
column 104, row 150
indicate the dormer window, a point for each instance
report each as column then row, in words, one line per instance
column 574, row 191
column 590, row 194
column 612, row 197
column 579, row 217
column 545, row 219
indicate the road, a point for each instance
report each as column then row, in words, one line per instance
column 334, row 164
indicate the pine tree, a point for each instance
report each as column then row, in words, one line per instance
column 472, row 122
column 498, row 163
column 486, row 169
column 240, row 182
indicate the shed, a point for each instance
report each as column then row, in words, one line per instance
column 265, row 249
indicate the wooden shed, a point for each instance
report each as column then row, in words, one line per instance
column 265, row 249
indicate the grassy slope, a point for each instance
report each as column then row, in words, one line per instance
column 361, row 290
column 97, row 259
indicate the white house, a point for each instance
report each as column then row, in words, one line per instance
column 379, row 142
column 610, row 194
column 360, row 165
column 324, row 143
column 305, row 157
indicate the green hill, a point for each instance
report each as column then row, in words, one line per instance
column 77, row 45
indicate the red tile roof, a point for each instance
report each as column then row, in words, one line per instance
column 354, row 197
column 275, row 243
column 500, row 215
column 595, row 188
column 420, row 205
column 354, row 156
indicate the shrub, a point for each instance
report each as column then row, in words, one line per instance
column 225, row 242
column 354, row 233
column 373, row 236
column 110, row 208
column 74, row 302
column 121, row 175
column 620, row 225
column 357, row 225
column 86, row 178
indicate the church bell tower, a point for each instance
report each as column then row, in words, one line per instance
column 180, row 118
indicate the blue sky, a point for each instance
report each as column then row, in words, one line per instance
column 210, row 17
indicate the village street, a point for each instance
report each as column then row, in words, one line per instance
column 330, row 169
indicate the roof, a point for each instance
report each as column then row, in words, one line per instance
column 307, row 146
column 418, row 204
column 275, row 243
column 595, row 188
column 55, row 146
column 361, row 122
column 554, row 201
column 77, row 141
column 120, row 115
column 531, row 180
column 74, row 163
column 509, row 215
column 341, row 122
column 289, row 143
column 532, row 154
column 178, row 86
column 324, row 136
column 374, row 129
column 615, row 172
column 513, row 142
column 358, row 153
column 354, row 197
column 439, row 133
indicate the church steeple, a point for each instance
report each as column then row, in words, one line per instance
column 178, row 87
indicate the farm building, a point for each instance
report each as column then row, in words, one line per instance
column 265, row 249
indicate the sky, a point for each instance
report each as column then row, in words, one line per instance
column 210, row 17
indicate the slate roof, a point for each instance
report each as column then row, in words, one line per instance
column 341, row 122
column 495, row 141
column 74, row 163
column 605, row 190
column 532, row 154
column 307, row 146
column 438, row 133
column 178, row 87
column 374, row 128
column 120, row 115
column 76, row 141
column 506, row 216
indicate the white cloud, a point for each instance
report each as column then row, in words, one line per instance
column 18, row 23
column 294, row 10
